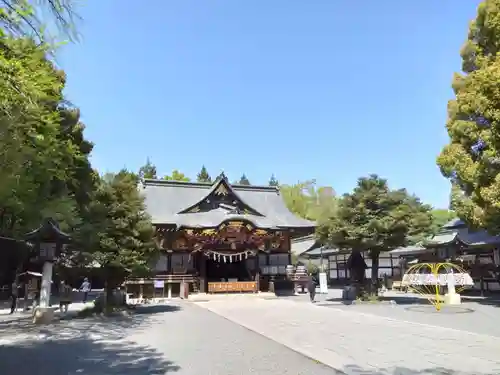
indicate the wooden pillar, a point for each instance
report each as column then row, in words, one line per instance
column 257, row 271
column 169, row 263
column 202, row 268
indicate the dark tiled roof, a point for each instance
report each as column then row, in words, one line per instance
column 167, row 202
column 454, row 224
column 309, row 247
column 463, row 235
column 299, row 246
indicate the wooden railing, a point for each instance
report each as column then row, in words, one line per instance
column 167, row 278
column 232, row 287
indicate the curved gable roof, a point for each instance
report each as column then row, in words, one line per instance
column 167, row 201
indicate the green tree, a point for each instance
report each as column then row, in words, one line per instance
column 177, row 176
column 471, row 161
column 148, row 170
column 273, row 181
column 36, row 20
column 120, row 232
column 440, row 217
column 244, row 180
column 44, row 156
column 309, row 202
column 374, row 219
column 203, row 176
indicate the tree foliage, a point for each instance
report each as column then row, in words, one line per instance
column 177, row 176
column 440, row 217
column 35, row 20
column 148, row 170
column 203, row 175
column 374, row 218
column 273, row 181
column 120, row 231
column 471, row 161
column 45, row 170
column 244, row 180
column 308, row 201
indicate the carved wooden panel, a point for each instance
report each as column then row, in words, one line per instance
column 232, row 286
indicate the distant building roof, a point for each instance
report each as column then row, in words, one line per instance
column 299, row 246
column 194, row 204
column 309, row 247
column 454, row 224
column 409, row 250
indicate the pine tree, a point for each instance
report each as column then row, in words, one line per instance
column 203, row 176
column 244, row 180
column 273, row 181
column 148, row 170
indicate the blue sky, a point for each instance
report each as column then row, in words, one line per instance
column 324, row 89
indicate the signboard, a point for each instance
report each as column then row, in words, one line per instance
column 323, row 285
column 159, row 284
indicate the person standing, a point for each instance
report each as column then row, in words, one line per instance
column 14, row 293
column 65, row 297
column 311, row 287
column 85, row 288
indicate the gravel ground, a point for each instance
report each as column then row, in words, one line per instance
column 181, row 338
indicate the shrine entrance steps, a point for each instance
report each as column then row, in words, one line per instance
column 207, row 297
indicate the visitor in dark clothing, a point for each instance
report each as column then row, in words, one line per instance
column 311, row 287
column 13, row 296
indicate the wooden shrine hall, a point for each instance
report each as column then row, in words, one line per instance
column 218, row 237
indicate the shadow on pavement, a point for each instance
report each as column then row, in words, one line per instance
column 399, row 370
column 82, row 346
column 488, row 299
column 155, row 309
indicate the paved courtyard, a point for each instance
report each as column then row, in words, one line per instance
column 181, row 338
column 246, row 336
column 358, row 342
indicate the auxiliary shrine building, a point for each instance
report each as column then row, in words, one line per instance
column 218, row 237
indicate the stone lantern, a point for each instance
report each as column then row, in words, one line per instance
column 48, row 241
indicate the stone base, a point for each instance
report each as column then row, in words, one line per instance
column 452, row 299
column 43, row 315
column 349, row 293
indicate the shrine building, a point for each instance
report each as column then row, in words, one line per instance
column 218, row 237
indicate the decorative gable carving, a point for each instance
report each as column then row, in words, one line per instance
column 222, row 196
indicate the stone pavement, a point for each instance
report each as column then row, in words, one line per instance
column 177, row 338
column 360, row 343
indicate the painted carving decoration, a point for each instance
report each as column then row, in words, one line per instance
column 233, row 236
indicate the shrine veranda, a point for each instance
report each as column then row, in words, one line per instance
column 218, row 237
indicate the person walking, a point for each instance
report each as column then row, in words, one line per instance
column 311, row 287
column 65, row 296
column 14, row 293
column 85, row 288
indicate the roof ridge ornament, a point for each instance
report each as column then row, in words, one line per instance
column 221, row 190
column 222, row 176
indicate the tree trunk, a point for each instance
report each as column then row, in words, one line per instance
column 374, row 255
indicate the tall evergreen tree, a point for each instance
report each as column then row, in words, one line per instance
column 120, row 232
column 273, row 181
column 203, row 176
column 148, row 170
column 374, row 218
column 244, row 180
column 471, row 161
